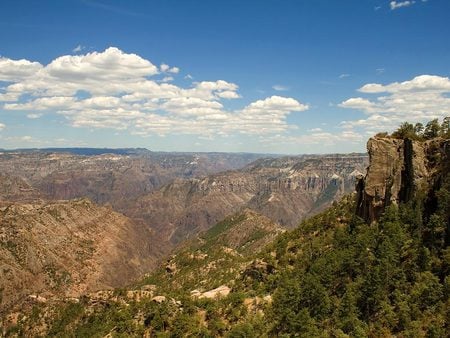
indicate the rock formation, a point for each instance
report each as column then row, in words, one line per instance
column 398, row 170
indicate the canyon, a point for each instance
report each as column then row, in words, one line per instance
column 73, row 222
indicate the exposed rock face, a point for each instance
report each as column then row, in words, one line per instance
column 285, row 189
column 221, row 291
column 68, row 248
column 398, row 169
column 14, row 188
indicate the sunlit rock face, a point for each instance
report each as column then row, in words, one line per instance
column 398, row 170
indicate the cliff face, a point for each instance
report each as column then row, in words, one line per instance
column 398, row 170
column 14, row 188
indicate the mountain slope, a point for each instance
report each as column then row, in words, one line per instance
column 67, row 248
column 216, row 256
column 13, row 188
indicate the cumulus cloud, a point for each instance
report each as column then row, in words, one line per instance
column 269, row 114
column 399, row 4
column 114, row 89
column 174, row 70
column 17, row 70
column 167, row 69
column 420, row 99
column 164, row 67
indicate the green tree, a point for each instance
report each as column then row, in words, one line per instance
column 445, row 127
column 405, row 130
column 432, row 129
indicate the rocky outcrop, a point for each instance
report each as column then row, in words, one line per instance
column 221, row 291
column 398, row 170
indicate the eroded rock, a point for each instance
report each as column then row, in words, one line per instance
column 398, row 170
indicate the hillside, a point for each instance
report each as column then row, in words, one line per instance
column 13, row 188
column 68, row 248
column 216, row 256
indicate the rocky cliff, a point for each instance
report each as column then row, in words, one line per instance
column 13, row 188
column 400, row 169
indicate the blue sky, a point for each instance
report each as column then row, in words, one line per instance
column 258, row 76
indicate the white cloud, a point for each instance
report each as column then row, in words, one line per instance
column 275, row 105
column 342, row 76
column 78, row 49
column 165, row 68
column 399, row 4
column 417, row 100
column 419, row 83
column 17, row 70
column 174, row 70
column 268, row 115
column 118, row 92
column 167, row 79
column 112, row 64
column 280, row 88
column 26, row 138
column 34, row 115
